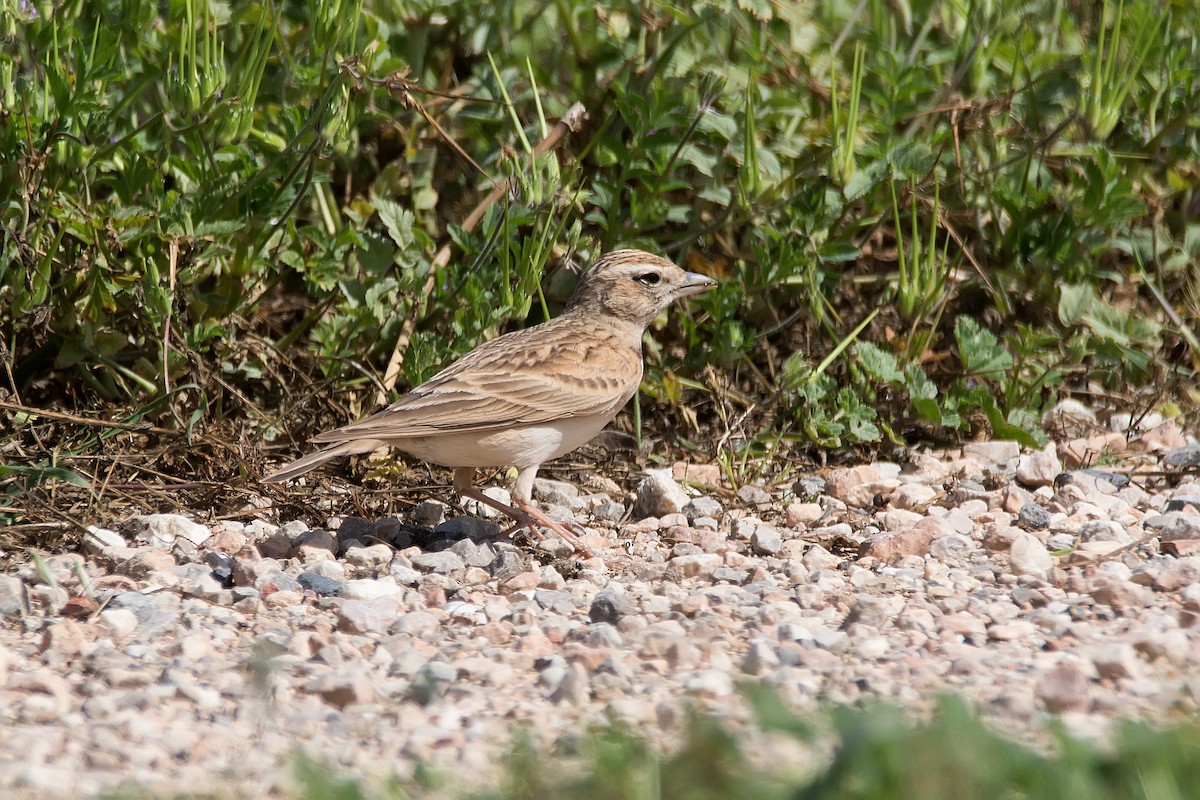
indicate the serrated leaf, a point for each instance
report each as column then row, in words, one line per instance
column 864, row 180
column 857, row 417
column 878, row 363
column 398, row 221
column 979, row 350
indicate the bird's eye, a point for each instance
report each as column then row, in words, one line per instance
column 648, row 278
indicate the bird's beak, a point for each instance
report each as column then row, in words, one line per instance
column 696, row 283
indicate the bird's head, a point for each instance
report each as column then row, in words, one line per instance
column 634, row 286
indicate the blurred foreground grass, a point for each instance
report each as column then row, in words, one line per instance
column 873, row 753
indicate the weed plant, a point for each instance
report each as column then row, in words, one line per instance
column 194, row 193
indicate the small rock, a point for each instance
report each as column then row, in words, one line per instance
column 468, row 528
column 659, row 495
column 1070, row 419
column 145, row 562
column 803, row 514
column 573, row 687
column 431, row 681
column 704, row 474
column 371, row 589
column 12, row 596
column 1033, row 517
column 754, row 496
column 841, row 482
column 809, row 487
column 441, row 563
column 766, row 540
column 988, row 453
column 326, row 587
column 120, row 621
column 702, row 507
column 1103, row 530
column 161, row 530
column 1028, row 556
column 96, row 540
column 343, row 689
column 891, row 547
column 1183, row 572
column 713, row 683
column 1040, row 468
column 1064, row 688
column 609, row 607
column 696, row 565
column 818, row 558
column 1173, row 526
column 368, row 616
column 428, row 513
column 760, row 659
column 1182, row 457
column 1117, row 660
column 954, row 549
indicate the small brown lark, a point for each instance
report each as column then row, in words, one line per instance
column 531, row 395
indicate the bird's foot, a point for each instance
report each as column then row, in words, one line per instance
column 529, row 516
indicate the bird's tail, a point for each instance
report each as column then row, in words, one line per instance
column 314, row 460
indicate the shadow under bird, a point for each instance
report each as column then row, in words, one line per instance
column 528, row 396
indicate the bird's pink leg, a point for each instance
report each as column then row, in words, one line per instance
column 529, row 516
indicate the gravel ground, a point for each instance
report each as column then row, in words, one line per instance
column 175, row 655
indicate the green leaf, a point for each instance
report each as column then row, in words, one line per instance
column 979, row 350
column 1004, row 429
column 1075, row 300
column 922, row 393
column 838, row 252
column 397, row 219
column 878, row 363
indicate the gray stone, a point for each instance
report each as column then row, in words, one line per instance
column 659, row 495
column 327, row 587
column 1033, row 517
column 429, row 513
column 472, row 554
column 702, row 507
column 1182, row 457
column 609, row 607
column 441, row 563
column 1116, row 660
column 1040, row 468
column 998, row 452
column 573, row 687
column 954, row 549
column 760, row 658
column 468, row 528
column 766, row 540
column 12, row 596
column 1103, row 530
column 432, row 681
column 96, row 540
column 609, row 511
column 730, row 575
column 1173, row 526
column 809, row 487
column 754, row 496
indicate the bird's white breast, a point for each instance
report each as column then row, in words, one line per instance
column 522, row 447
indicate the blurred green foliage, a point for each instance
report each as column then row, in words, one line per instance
column 194, row 186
